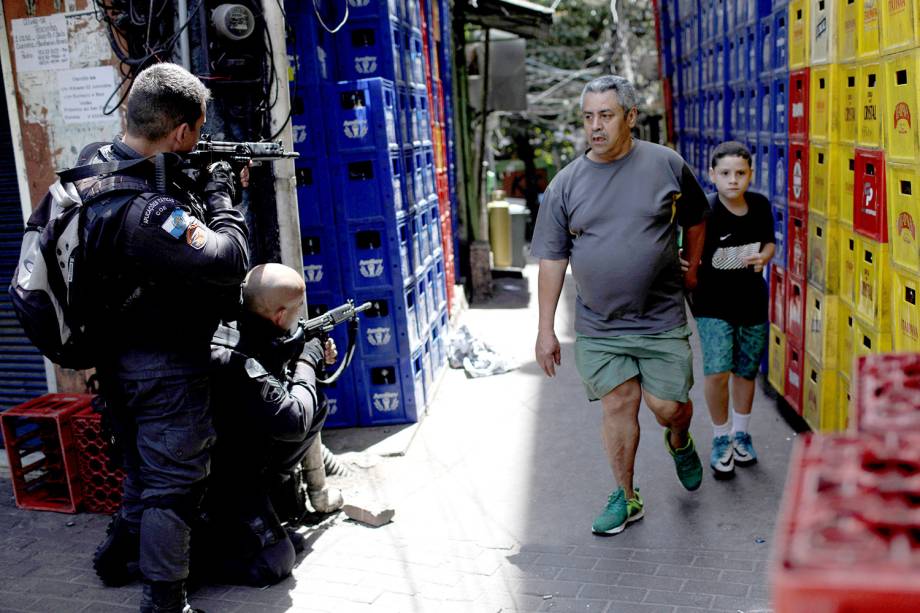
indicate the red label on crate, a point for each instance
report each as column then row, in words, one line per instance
column 902, row 117
column 906, row 227
column 797, row 179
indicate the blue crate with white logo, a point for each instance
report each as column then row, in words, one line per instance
column 307, row 126
column 740, row 106
column 390, row 327
column 780, row 157
column 779, row 122
column 314, row 197
column 368, row 185
column 764, row 106
column 414, row 177
column 780, row 233
column 425, row 302
column 780, row 39
column 416, row 257
column 437, row 282
column 363, row 115
column 376, row 9
column 390, row 390
column 310, row 47
column 751, row 62
column 761, row 181
column 421, row 135
column 320, row 251
column 411, row 14
column 375, row 254
column 766, row 41
column 413, row 58
column 434, row 225
column 340, row 395
column 367, row 48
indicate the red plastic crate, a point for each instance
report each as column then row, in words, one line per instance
column 797, row 192
column 795, row 308
column 887, row 393
column 797, row 241
column 870, row 200
column 42, row 456
column 778, row 297
column 798, row 105
column 101, row 486
column 847, row 536
column 795, row 371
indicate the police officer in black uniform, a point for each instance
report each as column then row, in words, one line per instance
column 163, row 264
column 267, row 414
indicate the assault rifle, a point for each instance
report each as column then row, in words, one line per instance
column 239, row 155
column 321, row 325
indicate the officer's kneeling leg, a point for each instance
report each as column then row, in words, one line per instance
column 272, row 564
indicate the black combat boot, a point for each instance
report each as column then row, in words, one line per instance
column 116, row 558
column 165, row 597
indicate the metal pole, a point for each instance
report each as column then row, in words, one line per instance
column 484, row 109
column 184, row 53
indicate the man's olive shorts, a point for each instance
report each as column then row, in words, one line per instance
column 663, row 362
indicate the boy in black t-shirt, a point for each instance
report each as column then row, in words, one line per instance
column 730, row 303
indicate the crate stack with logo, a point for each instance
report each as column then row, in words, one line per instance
column 369, row 113
column 825, row 94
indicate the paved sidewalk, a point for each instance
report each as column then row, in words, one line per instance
column 494, row 500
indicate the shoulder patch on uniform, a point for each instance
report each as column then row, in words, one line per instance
column 272, row 392
column 196, row 236
column 254, row 369
column 157, row 210
column 177, row 222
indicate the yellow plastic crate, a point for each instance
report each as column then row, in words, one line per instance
column 776, row 372
column 847, row 23
column 846, row 333
column 898, row 25
column 843, row 401
column 903, row 191
column 823, row 254
column 873, row 274
column 904, row 311
column 899, row 124
column 848, row 249
column 823, row 100
column 819, row 396
column 844, row 158
column 822, row 24
column 799, row 34
column 867, row 28
column 868, row 339
column 821, row 326
column 821, row 170
column 869, row 115
column 848, row 109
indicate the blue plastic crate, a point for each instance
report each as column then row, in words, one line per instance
column 422, row 124
column 390, row 391
column 413, row 58
column 687, row 9
column 320, row 252
column 376, row 254
column 780, row 39
column 753, row 109
column 376, row 9
column 719, row 17
column 314, row 199
column 310, row 48
column 740, row 105
column 753, row 58
column 413, row 167
column 439, row 341
column 780, row 233
column 763, row 177
column 390, row 327
column 368, row 185
column 404, row 115
column 342, row 411
column 425, row 303
column 740, row 10
column 438, row 282
column 367, row 48
column 307, row 124
column 426, row 164
column 411, row 13
column 434, row 225
column 761, row 8
column 778, row 189
column 363, row 116
column 765, row 105
column 780, row 122
column 766, row 42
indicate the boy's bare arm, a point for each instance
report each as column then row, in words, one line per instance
column 761, row 259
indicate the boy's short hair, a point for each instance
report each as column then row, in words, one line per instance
column 163, row 97
column 730, row 148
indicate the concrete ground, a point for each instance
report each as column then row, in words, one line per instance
column 494, row 494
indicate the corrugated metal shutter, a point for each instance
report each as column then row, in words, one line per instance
column 22, row 369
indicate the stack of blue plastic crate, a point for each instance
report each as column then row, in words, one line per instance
column 368, row 205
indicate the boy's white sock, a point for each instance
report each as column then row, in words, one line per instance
column 740, row 422
column 721, row 430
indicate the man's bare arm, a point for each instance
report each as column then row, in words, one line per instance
column 549, row 287
column 694, row 237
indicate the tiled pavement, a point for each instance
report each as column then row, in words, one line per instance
column 494, row 498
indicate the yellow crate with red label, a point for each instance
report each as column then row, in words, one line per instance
column 845, row 333
column 898, row 25
column 843, row 401
column 848, row 249
column 903, row 190
column 905, row 313
column 823, row 252
column 821, row 326
column 844, row 158
column 868, row 339
column 867, row 18
column 776, row 367
column 869, row 115
column 848, row 109
column 900, row 131
column 819, row 396
column 873, row 278
column 799, row 36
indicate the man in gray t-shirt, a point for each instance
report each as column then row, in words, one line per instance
column 613, row 213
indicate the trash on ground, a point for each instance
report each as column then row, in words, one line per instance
column 475, row 356
column 374, row 515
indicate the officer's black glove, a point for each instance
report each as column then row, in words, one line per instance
column 312, row 352
column 220, row 178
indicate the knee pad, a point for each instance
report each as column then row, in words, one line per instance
column 185, row 505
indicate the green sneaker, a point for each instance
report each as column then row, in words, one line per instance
column 618, row 513
column 689, row 468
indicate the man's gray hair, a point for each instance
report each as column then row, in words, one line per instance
column 163, row 97
column 624, row 90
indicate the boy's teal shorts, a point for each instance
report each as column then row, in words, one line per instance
column 663, row 362
column 727, row 347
